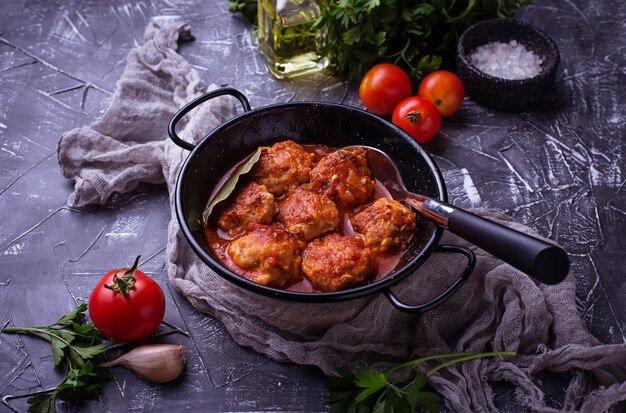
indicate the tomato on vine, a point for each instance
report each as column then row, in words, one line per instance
column 126, row 305
column 383, row 87
column 418, row 117
column 444, row 89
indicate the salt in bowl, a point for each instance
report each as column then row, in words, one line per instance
column 511, row 95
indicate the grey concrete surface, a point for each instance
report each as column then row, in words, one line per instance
column 558, row 168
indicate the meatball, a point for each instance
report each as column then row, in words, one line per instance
column 306, row 214
column 336, row 262
column 344, row 177
column 252, row 204
column 282, row 165
column 388, row 226
column 269, row 255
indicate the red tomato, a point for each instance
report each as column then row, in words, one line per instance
column 444, row 89
column 383, row 87
column 127, row 305
column 418, row 117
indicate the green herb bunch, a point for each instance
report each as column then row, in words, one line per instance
column 75, row 345
column 420, row 36
column 368, row 391
column 249, row 9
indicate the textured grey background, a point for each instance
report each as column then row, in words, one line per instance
column 559, row 169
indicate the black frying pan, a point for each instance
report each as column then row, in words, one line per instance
column 309, row 123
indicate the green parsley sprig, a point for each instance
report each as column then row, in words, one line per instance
column 420, row 36
column 75, row 345
column 248, row 8
column 366, row 390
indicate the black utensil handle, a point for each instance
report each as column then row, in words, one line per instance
column 545, row 262
column 416, row 309
column 171, row 129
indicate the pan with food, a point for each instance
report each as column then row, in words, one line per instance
column 300, row 225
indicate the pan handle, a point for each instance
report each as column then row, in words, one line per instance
column 546, row 262
column 418, row 309
column 171, row 129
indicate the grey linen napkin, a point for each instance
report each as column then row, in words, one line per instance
column 498, row 308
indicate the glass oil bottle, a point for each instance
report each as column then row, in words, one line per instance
column 287, row 42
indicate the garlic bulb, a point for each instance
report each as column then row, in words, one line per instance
column 159, row 363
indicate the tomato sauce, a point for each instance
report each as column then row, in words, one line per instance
column 217, row 241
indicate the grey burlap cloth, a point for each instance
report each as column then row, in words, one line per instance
column 499, row 308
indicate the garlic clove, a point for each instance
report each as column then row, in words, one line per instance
column 158, row 363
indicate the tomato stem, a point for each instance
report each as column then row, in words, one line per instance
column 124, row 283
column 413, row 117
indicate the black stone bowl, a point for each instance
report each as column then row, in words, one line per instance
column 504, row 94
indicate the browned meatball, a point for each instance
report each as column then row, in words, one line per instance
column 269, row 255
column 336, row 262
column 306, row 214
column 282, row 165
column 388, row 226
column 343, row 176
column 252, row 204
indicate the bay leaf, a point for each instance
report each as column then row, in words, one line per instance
column 231, row 183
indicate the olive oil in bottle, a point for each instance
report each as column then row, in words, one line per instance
column 287, row 42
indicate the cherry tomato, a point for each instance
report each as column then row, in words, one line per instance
column 127, row 305
column 383, row 87
column 418, row 117
column 444, row 89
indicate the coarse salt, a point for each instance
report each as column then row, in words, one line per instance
column 506, row 60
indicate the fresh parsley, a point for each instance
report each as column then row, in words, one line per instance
column 366, row 390
column 75, row 345
column 420, row 36
column 248, row 8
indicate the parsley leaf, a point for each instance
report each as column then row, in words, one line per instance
column 246, row 7
column 369, row 379
column 42, row 403
column 76, row 316
column 88, row 352
column 342, row 392
column 430, row 401
column 412, row 392
column 368, row 391
column 75, row 345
